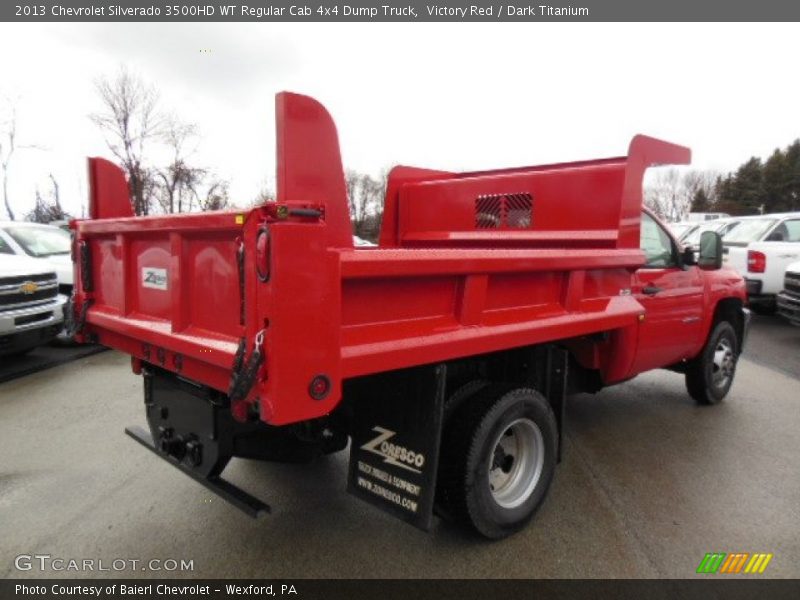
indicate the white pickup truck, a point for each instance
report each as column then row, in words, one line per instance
column 31, row 309
column 789, row 298
column 761, row 248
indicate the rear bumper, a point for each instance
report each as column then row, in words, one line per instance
column 753, row 286
column 756, row 295
column 250, row 505
column 789, row 307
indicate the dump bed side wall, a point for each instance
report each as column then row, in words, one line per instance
column 448, row 303
column 566, row 207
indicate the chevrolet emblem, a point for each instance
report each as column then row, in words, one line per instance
column 29, row 287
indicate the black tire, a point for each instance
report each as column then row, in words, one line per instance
column 708, row 380
column 453, row 403
column 462, row 394
column 473, row 457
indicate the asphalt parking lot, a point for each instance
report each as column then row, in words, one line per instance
column 44, row 357
column 650, row 482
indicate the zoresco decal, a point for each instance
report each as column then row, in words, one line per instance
column 154, row 278
column 394, row 454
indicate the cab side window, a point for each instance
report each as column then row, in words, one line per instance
column 656, row 244
column 791, row 230
column 5, row 248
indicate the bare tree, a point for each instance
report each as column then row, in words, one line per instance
column 215, row 196
column 40, row 212
column 670, row 193
column 9, row 146
column 265, row 194
column 701, row 183
column 178, row 180
column 664, row 195
column 182, row 187
column 365, row 201
column 47, row 210
column 56, row 195
column 130, row 120
column 8, row 138
column 351, row 182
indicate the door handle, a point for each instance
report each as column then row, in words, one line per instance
column 651, row 290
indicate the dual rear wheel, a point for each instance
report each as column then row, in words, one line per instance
column 497, row 458
column 500, row 442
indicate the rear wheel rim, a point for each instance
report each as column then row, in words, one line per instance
column 723, row 363
column 516, row 463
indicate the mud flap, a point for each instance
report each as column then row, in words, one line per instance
column 394, row 453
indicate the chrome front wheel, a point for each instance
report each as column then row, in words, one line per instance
column 724, row 362
column 709, row 376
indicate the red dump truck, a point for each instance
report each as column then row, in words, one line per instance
column 443, row 355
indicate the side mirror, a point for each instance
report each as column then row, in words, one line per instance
column 710, row 250
column 687, row 256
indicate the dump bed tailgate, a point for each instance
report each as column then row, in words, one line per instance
column 167, row 289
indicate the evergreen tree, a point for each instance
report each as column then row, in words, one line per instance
column 775, row 182
column 742, row 193
column 773, row 186
column 701, row 202
column 792, row 165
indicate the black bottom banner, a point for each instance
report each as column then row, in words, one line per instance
column 376, row 589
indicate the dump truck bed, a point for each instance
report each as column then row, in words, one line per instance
column 467, row 264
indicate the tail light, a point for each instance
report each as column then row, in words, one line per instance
column 320, row 387
column 263, row 250
column 756, row 261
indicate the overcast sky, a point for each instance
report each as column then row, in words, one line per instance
column 453, row 96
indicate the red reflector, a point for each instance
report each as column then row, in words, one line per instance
column 263, row 249
column 320, row 387
column 756, row 261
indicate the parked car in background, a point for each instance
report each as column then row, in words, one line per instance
column 360, row 242
column 61, row 224
column 31, row 309
column 760, row 248
column 50, row 245
column 691, row 237
column 789, row 298
column 705, row 216
column 682, row 228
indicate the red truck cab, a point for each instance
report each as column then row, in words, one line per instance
column 443, row 356
column 680, row 299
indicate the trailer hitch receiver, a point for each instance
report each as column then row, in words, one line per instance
column 191, row 427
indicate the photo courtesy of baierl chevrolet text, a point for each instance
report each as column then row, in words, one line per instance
column 377, row 300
